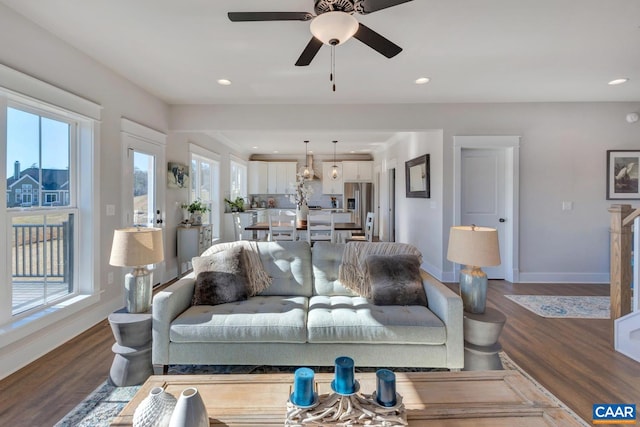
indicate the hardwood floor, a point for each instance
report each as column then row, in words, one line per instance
column 572, row 358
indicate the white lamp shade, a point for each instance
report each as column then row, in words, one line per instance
column 475, row 246
column 133, row 247
column 338, row 26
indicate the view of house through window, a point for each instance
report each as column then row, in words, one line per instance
column 40, row 206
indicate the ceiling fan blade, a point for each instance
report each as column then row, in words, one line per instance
column 368, row 6
column 269, row 16
column 309, row 52
column 375, row 41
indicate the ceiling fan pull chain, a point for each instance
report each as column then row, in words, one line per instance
column 333, row 66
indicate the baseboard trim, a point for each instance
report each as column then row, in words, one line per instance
column 591, row 278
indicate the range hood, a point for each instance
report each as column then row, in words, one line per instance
column 315, row 174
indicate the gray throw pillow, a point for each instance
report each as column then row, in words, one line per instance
column 220, row 278
column 395, row 280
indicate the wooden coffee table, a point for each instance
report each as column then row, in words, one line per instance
column 478, row 399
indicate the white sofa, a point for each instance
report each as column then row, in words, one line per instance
column 306, row 317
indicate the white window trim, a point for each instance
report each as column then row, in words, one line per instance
column 196, row 150
column 23, row 89
column 243, row 163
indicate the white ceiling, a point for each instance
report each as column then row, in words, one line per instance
column 472, row 50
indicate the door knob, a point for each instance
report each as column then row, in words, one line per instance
column 502, row 220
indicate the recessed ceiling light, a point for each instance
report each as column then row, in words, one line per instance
column 224, row 82
column 255, row 147
column 422, row 80
column 618, row 81
column 275, row 151
column 352, row 151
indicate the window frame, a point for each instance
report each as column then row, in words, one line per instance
column 241, row 175
column 199, row 154
column 41, row 210
column 21, row 90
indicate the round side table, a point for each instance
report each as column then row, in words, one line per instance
column 132, row 362
column 481, row 333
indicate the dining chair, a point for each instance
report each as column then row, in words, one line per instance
column 282, row 227
column 320, row 227
column 237, row 226
column 368, row 230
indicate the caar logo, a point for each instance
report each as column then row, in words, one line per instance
column 608, row 413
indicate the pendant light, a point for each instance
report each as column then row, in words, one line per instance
column 305, row 172
column 334, row 168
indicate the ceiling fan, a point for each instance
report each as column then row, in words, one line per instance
column 333, row 25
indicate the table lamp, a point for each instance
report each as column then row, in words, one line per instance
column 473, row 247
column 137, row 247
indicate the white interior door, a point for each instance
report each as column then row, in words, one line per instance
column 144, row 180
column 483, row 196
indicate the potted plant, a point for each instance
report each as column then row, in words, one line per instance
column 196, row 209
column 236, row 205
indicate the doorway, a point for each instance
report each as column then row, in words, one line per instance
column 392, row 206
column 486, row 194
column 143, row 181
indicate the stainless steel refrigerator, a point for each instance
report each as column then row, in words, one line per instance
column 358, row 199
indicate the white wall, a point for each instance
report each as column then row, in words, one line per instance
column 29, row 49
column 562, row 158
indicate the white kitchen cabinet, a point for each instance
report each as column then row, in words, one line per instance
column 357, row 171
column 258, row 177
column 192, row 241
column 330, row 185
column 281, row 177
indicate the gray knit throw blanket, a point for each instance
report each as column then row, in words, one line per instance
column 353, row 270
column 257, row 277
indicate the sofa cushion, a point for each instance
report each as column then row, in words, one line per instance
column 217, row 287
column 258, row 319
column 220, row 278
column 325, row 259
column 342, row 319
column 257, row 278
column 289, row 265
column 395, row 280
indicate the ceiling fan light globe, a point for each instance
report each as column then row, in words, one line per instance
column 331, row 26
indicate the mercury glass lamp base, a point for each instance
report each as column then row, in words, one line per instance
column 473, row 289
column 137, row 286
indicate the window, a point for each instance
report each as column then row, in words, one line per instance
column 50, row 268
column 238, row 179
column 205, row 184
column 39, row 153
column 50, row 198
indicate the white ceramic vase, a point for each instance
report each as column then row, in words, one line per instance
column 302, row 212
column 190, row 410
column 155, row 410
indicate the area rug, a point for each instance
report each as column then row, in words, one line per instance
column 555, row 306
column 107, row 401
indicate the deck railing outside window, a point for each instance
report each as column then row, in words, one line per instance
column 41, row 269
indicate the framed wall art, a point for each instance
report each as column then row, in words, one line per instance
column 177, row 175
column 417, row 177
column 622, row 174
